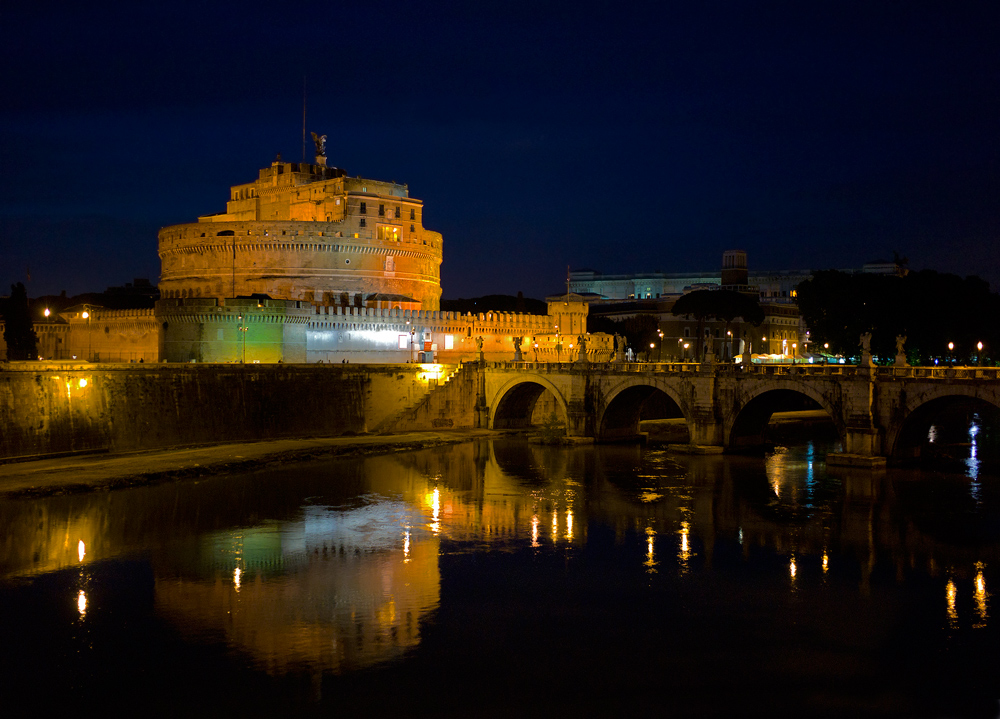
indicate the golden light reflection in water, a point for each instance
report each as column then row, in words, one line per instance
column 81, row 603
column 826, row 562
column 434, row 500
column 236, row 578
column 569, row 524
column 81, row 550
column 650, row 562
column 981, row 597
column 684, row 555
column 555, row 526
column 951, row 595
column 792, row 569
column 406, row 547
column 534, row 530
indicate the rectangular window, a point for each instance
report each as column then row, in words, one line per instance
column 687, row 331
column 397, row 215
column 413, row 214
column 364, row 208
column 362, row 223
column 404, row 341
column 449, row 342
column 381, row 210
column 388, row 232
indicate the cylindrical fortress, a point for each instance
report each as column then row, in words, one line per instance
column 309, row 233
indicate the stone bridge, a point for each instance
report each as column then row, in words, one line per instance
column 878, row 412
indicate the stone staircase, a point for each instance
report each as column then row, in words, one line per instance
column 443, row 406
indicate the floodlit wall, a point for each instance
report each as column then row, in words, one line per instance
column 48, row 408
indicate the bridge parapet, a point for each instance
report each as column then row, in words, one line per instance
column 726, row 405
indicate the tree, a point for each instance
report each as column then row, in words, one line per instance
column 19, row 333
column 639, row 330
column 929, row 308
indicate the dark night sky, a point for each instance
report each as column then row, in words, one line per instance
column 623, row 138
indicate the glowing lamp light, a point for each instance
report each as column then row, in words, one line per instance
column 85, row 314
column 951, row 346
column 979, row 346
column 47, row 312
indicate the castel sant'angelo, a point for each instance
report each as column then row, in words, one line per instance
column 308, row 264
column 308, row 232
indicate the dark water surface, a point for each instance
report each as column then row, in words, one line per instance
column 498, row 578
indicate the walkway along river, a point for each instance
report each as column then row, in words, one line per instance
column 499, row 578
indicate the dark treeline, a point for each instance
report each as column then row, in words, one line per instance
column 496, row 303
column 18, row 331
column 929, row 308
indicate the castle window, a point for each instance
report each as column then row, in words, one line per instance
column 362, row 223
column 397, row 215
column 413, row 214
column 381, row 210
column 411, row 228
column 364, row 208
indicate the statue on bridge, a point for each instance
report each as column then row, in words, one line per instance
column 517, row 349
column 582, row 343
column 619, row 349
column 479, row 346
column 900, row 353
column 866, row 349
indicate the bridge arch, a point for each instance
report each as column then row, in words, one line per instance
column 516, row 402
column 747, row 425
column 939, row 417
column 619, row 414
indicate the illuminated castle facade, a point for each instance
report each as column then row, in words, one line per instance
column 310, row 265
column 308, row 232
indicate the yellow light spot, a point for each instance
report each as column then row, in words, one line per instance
column 237, row 575
column 81, row 550
column 569, row 524
column 792, row 568
column 82, row 383
column 555, row 526
column 534, row 530
column 81, row 603
column 981, row 596
column 826, row 562
column 685, row 552
column 406, row 546
column 951, row 594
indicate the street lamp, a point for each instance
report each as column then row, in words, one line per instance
column 90, row 338
column 951, row 355
column 979, row 353
column 651, row 346
column 659, row 352
column 242, row 329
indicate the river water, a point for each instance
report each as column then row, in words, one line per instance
column 499, row 578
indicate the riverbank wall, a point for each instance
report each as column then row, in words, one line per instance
column 53, row 408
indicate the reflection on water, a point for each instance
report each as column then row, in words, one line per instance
column 334, row 567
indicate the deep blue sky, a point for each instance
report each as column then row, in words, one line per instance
column 618, row 137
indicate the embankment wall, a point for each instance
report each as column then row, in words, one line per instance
column 51, row 408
